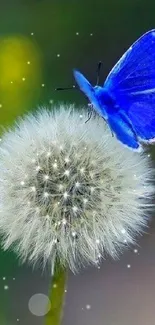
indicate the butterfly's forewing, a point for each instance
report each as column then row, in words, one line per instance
column 135, row 63
column 132, row 84
column 89, row 91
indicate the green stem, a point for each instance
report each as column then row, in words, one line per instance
column 56, row 296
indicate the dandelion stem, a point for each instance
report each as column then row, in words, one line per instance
column 56, row 296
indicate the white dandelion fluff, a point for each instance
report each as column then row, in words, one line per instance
column 69, row 191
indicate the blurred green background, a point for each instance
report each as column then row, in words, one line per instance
column 41, row 41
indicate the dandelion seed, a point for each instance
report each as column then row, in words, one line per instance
column 72, row 215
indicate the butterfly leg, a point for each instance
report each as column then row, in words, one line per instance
column 90, row 111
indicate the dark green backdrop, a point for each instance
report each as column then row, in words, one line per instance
column 41, row 41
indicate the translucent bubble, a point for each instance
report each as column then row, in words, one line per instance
column 39, row 304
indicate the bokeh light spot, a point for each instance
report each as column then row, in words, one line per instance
column 15, row 94
column 39, row 304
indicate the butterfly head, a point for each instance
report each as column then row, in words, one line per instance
column 92, row 93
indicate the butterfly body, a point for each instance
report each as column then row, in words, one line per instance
column 127, row 99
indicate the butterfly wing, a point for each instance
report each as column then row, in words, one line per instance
column 89, row 91
column 120, row 125
column 132, row 83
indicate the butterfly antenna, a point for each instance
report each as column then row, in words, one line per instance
column 98, row 72
column 66, row 88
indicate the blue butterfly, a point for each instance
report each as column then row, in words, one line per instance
column 127, row 99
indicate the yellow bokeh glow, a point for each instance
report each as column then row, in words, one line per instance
column 20, row 76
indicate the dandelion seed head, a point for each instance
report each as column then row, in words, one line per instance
column 75, row 204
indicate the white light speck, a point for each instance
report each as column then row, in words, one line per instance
column 4, row 278
column 23, row 78
column 148, row 155
column 92, row 189
column 54, row 285
column 58, row 55
column 28, row 62
column 46, row 194
column 60, row 187
column 38, row 168
column 67, row 160
column 75, row 208
column 14, row 279
column 81, row 116
column 51, row 101
column 67, row 172
column 46, row 177
column 1, row 105
column 65, row 290
column 82, row 170
column 77, row 33
column 11, row 82
column 55, row 165
column 42, row 85
column 22, row 183
column 77, row 184
column 91, row 34
column 17, row 319
column 65, row 195
column 47, row 217
column 32, row 34
column 73, row 233
column 6, row 287
column 33, row 188
column 85, row 201
column 123, row 231
column 48, row 154
column 88, row 307
column 128, row 266
column 135, row 251
column 97, row 241
column 64, row 221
